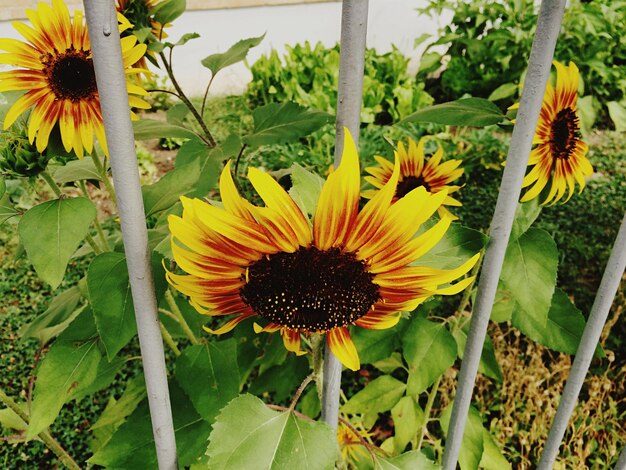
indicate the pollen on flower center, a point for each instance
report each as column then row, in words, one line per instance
column 565, row 133
column 409, row 183
column 310, row 289
column 71, row 75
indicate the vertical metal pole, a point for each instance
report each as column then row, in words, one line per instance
column 597, row 318
column 548, row 25
column 349, row 98
column 621, row 463
column 111, row 80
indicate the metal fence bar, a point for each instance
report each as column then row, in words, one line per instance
column 548, row 26
column 621, row 462
column 349, row 97
column 597, row 318
column 111, row 81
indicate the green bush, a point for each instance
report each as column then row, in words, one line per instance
column 308, row 75
column 488, row 45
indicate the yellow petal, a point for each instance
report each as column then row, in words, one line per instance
column 341, row 345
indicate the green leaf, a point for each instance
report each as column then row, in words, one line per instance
column 525, row 214
column 473, row 443
column 198, row 175
column 503, row 305
column 617, row 111
column 176, row 114
column 51, row 232
column 247, row 434
column 209, row 375
column 77, row 170
column 132, row 445
column 59, row 314
column 118, row 410
column 109, row 291
column 587, row 113
column 505, row 90
column 562, row 331
column 458, row 245
column 492, row 458
column 185, row 38
column 408, row 418
column 7, row 211
column 429, row 349
column 151, row 129
column 72, row 368
column 389, row 364
column 488, row 363
column 3, row 188
column 413, row 460
column 374, row 345
column 197, row 153
column 278, row 123
column 167, row 11
column 476, row 112
column 378, row 396
column 10, row 420
column 236, row 53
column 529, row 273
column 305, row 188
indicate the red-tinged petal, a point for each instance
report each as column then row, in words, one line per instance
column 341, row 345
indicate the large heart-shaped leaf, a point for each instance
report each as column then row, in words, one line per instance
column 247, row 434
column 51, row 233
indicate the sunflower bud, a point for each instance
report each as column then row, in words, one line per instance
column 18, row 157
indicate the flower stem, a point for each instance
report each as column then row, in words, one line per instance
column 101, row 235
column 429, row 406
column 105, row 177
column 169, row 298
column 167, row 337
column 301, row 388
column 55, row 188
column 168, row 68
column 45, row 436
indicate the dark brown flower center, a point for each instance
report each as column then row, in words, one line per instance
column 311, row 289
column 409, row 183
column 565, row 133
column 71, row 75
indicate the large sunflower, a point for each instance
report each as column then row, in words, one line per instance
column 349, row 268
column 559, row 153
column 415, row 172
column 56, row 69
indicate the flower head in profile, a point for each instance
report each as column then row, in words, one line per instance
column 55, row 69
column 415, row 171
column 559, row 152
column 350, row 268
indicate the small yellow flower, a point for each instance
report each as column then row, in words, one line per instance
column 559, row 152
column 351, row 446
column 416, row 171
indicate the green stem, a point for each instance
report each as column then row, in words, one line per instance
column 167, row 337
column 55, row 188
column 317, row 357
column 168, row 68
column 169, row 298
column 45, row 436
column 206, row 94
column 429, row 406
column 101, row 235
column 104, row 175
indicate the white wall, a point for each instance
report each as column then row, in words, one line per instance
column 390, row 22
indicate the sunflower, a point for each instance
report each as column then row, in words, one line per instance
column 141, row 15
column 416, row 172
column 349, row 268
column 56, row 69
column 559, row 152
